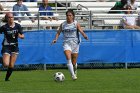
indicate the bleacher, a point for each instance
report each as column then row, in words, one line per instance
column 99, row 13
column 90, row 14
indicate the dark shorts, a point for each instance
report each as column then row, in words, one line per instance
column 9, row 49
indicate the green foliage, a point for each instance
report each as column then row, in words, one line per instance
column 89, row 81
column 52, row 4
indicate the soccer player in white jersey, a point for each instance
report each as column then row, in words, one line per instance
column 70, row 29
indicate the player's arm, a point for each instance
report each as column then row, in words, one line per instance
column 81, row 31
column 21, row 36
column 20, row 33
column 1, row 29
column 57, row 34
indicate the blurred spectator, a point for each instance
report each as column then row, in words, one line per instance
column 21, row 7
column 119, row 5
column 30, row 0
column 47, row 8
column 129, row 21
column 1, row 8
column 133, row 4
column 48, row 15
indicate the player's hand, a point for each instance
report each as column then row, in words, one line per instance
column 86, row 38
column 53, row 42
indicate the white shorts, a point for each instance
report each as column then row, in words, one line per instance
column 72, row 46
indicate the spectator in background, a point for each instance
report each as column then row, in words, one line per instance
column 119, row 5
column 47, row 8
column 133, row 4
column 48, row 15
column 1, row 8
column 21, row 7
column 30, row 0
column 129, row 21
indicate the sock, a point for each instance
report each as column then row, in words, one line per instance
column 70, row 67
column 8, row 74
column 75, row 68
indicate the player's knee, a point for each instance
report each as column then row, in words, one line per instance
column 6, row 64
column 69, row 61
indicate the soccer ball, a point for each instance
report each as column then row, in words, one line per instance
column 59, row 77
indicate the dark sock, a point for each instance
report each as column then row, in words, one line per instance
column 8, row 74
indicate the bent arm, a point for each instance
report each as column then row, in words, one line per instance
column 81, row 31
column 58, row 32
column 21, row 36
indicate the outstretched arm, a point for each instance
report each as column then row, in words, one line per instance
column 81, row 31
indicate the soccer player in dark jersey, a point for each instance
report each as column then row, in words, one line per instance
column 12, row 31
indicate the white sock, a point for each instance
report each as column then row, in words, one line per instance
column 70, row 67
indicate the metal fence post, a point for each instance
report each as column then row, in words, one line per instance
column 38, row 16
column 44, row 67
column 90, row 19
column 126, row 65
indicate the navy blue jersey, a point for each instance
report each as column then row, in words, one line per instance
column 11, row 34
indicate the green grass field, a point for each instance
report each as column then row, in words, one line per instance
column 89, row 81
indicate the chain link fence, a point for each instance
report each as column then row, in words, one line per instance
column 80, row 66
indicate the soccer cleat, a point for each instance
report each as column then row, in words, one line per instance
column 75, row 69
column 75, row 73
column 74, row 77
column 7, row 80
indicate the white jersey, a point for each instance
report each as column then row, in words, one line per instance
column 70, row 31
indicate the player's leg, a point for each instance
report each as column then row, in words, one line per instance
column 67, row 52
column 75, row 51
column 6, row 59
column 5, row 56
column 14, row 52
column 11, row 66
column 74, row 62
column 69, row 62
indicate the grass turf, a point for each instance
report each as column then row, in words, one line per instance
column 89, row 81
